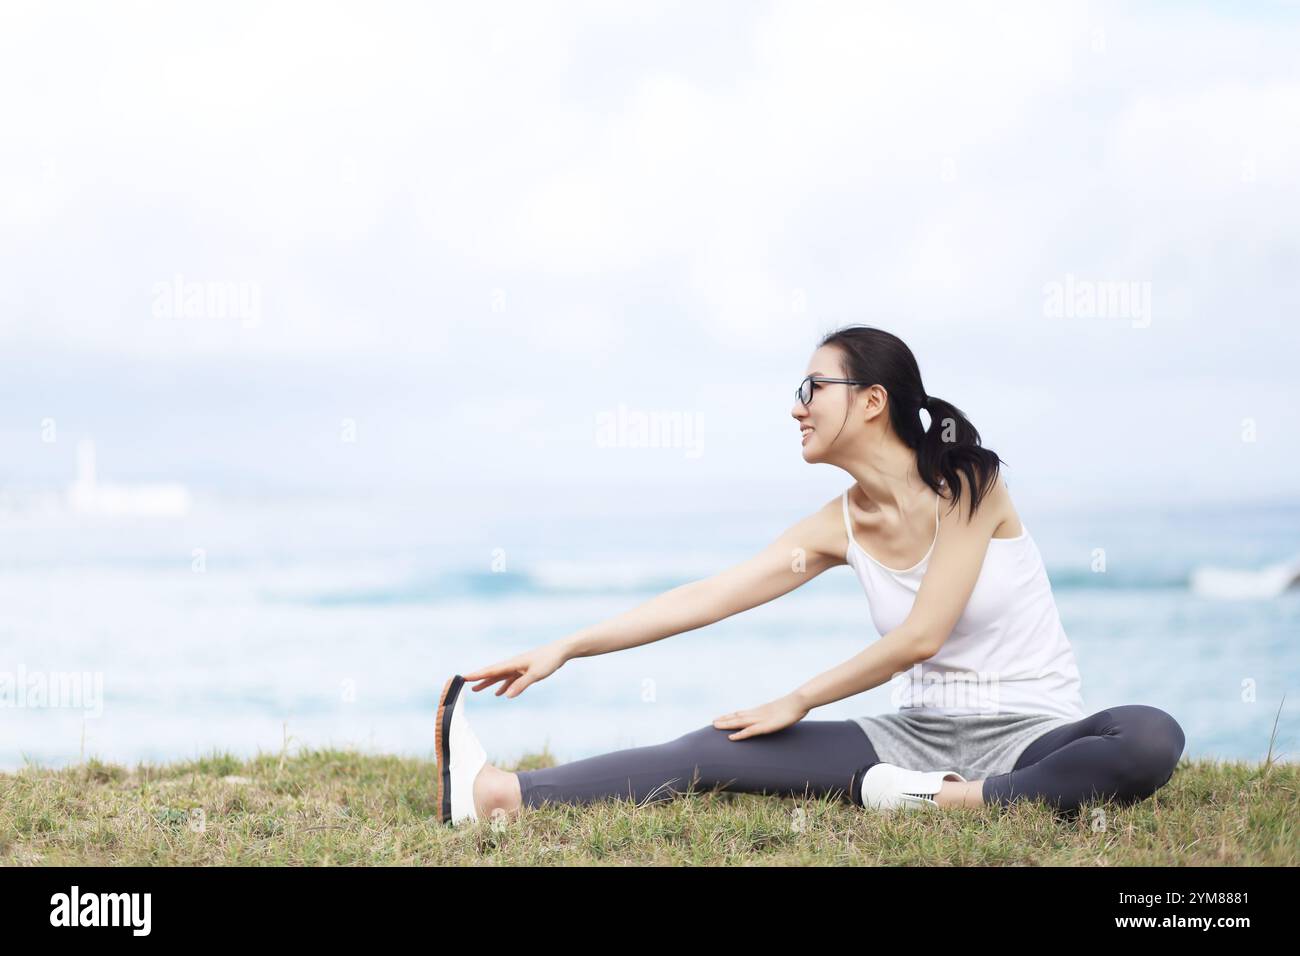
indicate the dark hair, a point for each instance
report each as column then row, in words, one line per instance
column 951, row 444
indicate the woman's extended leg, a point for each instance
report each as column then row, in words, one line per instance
column 812, row 758
column 1122, row 753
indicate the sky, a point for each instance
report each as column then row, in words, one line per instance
column 316, row 248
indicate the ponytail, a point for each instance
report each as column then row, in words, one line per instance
column 951, row 446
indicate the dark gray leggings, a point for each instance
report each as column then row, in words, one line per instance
column 1122, row 753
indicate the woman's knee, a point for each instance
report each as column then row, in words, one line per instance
column 700, row 745
column 1153, row 743
column 702, row 736
column 695, row 758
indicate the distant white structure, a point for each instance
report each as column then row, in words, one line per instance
column 87, row 496
column 1233, row 584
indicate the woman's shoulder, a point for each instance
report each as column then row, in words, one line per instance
column 825, row 530
column 996, row 498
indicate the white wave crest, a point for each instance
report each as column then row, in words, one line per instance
column 1236, row 584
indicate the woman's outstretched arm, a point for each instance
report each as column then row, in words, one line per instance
column 802, row 552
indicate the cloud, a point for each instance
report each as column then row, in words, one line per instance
column 667, row 195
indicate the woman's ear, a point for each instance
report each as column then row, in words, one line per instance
column 875, row 399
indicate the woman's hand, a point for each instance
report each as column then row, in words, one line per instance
column 520, row 671
column 780, row 713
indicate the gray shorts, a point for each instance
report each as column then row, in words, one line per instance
column 975, row 745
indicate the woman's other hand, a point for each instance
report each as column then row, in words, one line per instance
column 771, row 717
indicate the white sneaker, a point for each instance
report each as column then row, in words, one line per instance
column 460, row 756
column 886, row 786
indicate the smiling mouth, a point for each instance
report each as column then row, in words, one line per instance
column 804, row 433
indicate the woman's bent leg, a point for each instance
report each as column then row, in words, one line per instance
column 1123, row 753
column 812, row 758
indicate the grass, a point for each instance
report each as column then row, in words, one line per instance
column 342, row 807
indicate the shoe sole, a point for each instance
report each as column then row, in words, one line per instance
column 442, row 742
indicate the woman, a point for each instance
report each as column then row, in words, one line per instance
column 989, row 701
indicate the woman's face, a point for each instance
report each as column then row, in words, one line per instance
column 822, row 419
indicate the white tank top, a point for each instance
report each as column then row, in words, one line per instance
column 1008, row 652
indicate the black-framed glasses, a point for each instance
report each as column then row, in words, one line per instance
column 805, row 390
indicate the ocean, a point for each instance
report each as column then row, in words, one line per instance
column 260, row 624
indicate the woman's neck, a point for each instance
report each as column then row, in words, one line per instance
column 887, row 476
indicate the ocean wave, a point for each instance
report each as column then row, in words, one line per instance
column 1074, row 578
column 570, row 578
column 1245, row 584
column 553, row 578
